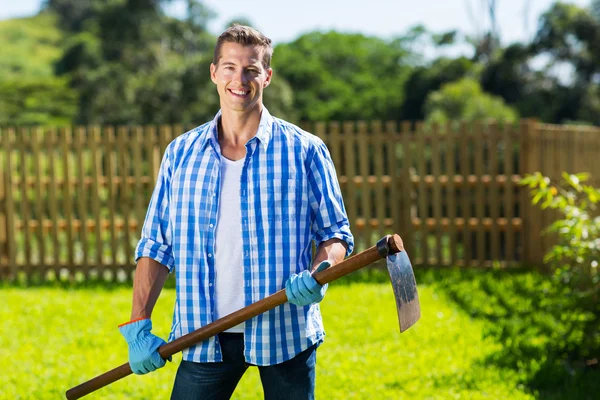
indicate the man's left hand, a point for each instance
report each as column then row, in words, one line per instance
column 302, row 289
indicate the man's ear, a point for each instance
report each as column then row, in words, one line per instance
column 213, row 72
column 269, row 76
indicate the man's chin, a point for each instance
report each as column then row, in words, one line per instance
column 242, row 107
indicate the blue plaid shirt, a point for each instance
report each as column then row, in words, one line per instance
column 289, row 197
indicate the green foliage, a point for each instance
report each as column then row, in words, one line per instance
column 128, row 62
column 59, row 338
column 573, row 259
column 568, row 35
column 131, row 64
column 37, row 101
column 425, row 79
column 29, row 47
column 543, row 330
column 465, row 100
column 29, row 93
column 343, row 76
column 576, row 256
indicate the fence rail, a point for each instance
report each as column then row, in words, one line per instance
column 72, row 199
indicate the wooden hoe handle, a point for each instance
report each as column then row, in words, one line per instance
column 351, row 264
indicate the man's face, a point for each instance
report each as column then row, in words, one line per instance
column 240, row 76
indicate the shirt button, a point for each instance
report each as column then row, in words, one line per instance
column 209, row 255
column 211, row 225
column 210, row 284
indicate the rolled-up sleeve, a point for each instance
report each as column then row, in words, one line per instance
column 329, row 214
column 156, row 235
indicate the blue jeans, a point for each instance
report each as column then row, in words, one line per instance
column 291, row 380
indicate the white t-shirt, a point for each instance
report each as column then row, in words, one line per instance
column 229, row 267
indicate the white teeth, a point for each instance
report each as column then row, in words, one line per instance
column 239, row 92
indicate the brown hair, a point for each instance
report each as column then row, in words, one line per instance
column 246, row 36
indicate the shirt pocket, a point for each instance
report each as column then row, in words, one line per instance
column 282, row 200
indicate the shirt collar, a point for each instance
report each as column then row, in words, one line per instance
column 263, row 134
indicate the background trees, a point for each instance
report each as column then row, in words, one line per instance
column 126, row 61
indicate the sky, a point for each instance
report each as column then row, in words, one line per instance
column 284, row 21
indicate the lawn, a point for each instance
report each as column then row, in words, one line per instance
column 55, row 338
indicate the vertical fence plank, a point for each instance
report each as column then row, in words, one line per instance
column 22, row 139
column 39, row 209
column 546, row 160
column 436, row 156
column 405, row 194
column 96, row 189
column 594, row 150
column 138, row 141
column 529, row 163
column 150, row 141
column 395, row 186
column 81, row 191
column 493, row 191
column 65, row 137
column 479, row 149
column 363, row 142
column 334, row 144
column 10, row 203
column 109, row 159
column 50, row 150
column 509, row 189
column 350, row 172
column 422, row 195
column 165, row 135
column 451, row 191
column 4, row 265
column 381, row 203
column 124, row 203
column 466, row 193
column 557, row 165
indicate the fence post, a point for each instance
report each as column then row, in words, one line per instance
column 531, row 216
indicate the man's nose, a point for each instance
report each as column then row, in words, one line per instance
column 240, row 76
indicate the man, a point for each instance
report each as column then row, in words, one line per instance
column 236, row 208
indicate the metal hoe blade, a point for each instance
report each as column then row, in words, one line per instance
column 405, row 289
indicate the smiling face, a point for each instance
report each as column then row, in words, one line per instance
column 240, row 77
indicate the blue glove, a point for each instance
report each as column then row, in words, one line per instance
column 143, row 346
column 302, row 289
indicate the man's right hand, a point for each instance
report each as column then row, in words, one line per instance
column 143, row 346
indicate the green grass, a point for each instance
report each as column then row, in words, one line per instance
column 55, row 338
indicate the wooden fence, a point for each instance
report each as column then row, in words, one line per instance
column 72, row 200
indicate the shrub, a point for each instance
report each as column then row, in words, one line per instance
column 575, row 256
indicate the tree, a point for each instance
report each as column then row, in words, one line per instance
column 36, row 101
column 427, row 78
column 133, row 64
column 337, row 76
column 569, row 37
column 29, row 93
column 72, row 14
column 465, row 100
